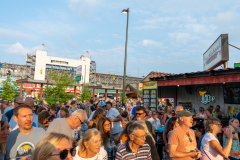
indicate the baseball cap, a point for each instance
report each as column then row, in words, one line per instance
column 102, row 103
column 185, row 113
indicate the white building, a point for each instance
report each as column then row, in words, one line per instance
column 44, row 62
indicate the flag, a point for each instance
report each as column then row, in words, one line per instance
column 43, row 45
column 87, row 52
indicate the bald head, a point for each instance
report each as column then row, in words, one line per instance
column 29, row 101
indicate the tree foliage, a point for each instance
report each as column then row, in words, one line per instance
column 85, row 94
column 121, row 96
column 57, row 92
column 9, row 89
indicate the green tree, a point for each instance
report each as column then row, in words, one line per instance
column 57, row 92
column 9, row 89
column 121, row 96
column 86, row 93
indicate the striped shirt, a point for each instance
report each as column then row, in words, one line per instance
column 124, row 152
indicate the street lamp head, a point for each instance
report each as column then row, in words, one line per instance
column 125, row 11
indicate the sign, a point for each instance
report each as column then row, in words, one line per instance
column 217, row 53
column 150, row 98
column 150, row 85
column 79, row 71
column 233, row 109
column 128, row 89
column 206, row 98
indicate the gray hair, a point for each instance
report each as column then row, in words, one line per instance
column 178, row 107
column 133, row 127
column 79, row 113
column 145, row 128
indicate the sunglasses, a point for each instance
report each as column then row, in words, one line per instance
column 64, row 153
column 19, row 103
column 80, row 120
column 139, row 114
column 190, row 139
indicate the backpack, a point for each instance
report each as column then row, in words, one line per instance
column 200, row 142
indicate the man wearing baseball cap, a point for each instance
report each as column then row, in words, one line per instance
column 182, row 142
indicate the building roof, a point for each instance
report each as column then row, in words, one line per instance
column 200, row 77
column 155, row 74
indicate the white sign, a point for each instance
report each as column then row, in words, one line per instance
column 79, row 71
column 206, row 98
column 213, row 55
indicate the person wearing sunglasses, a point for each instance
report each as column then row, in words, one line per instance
column 182, row 142
column 210, row 146
column 67, row 125
column 104, row 126
column 53, row 146
column 90, row 147
column 140, row 115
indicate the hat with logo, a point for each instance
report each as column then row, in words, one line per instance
column 185, row 113
column 102, row 103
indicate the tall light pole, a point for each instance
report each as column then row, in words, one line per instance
column 126, row 11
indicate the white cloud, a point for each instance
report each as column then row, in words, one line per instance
column 181, row 38
column 83, row 7
column 227, row 18
column 18, row 49
column 98, row 41
column 151, row 43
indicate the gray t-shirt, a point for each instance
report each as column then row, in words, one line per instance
column 60, row 125
column 19, row 145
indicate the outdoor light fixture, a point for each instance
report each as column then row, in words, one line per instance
column 177, row 85
column 125, row 11
column 223, row 82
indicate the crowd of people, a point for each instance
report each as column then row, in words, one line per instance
column 85, row 130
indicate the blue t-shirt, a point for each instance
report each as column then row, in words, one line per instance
column 9, row 114
column 7, row 109
column 13, row 123
column 133, row 112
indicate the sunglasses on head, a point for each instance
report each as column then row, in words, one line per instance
column 64, row 153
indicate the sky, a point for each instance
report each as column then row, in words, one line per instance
column 164, row 36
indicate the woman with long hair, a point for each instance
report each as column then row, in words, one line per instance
column 4, row 133
column 233, row 124
column 53, row 146
column 149, row 116
column 90, row 146
column 171, row 125
column 104, row 126
column 96, row 116
column 209, row 111
column 123, row 136
column 167, row 114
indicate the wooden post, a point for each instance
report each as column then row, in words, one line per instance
column 41, row 91
column 225, row 65
column 137, row 90
column 75, row 91
column 116, row 95
column 105, row 94
column 93, row 94
column 21, row 87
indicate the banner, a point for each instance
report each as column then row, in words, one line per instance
column 233, row 109
column 79, row 71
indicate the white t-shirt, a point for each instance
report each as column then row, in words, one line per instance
column 116, row 126
column 102, row 155
column 212, row 154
